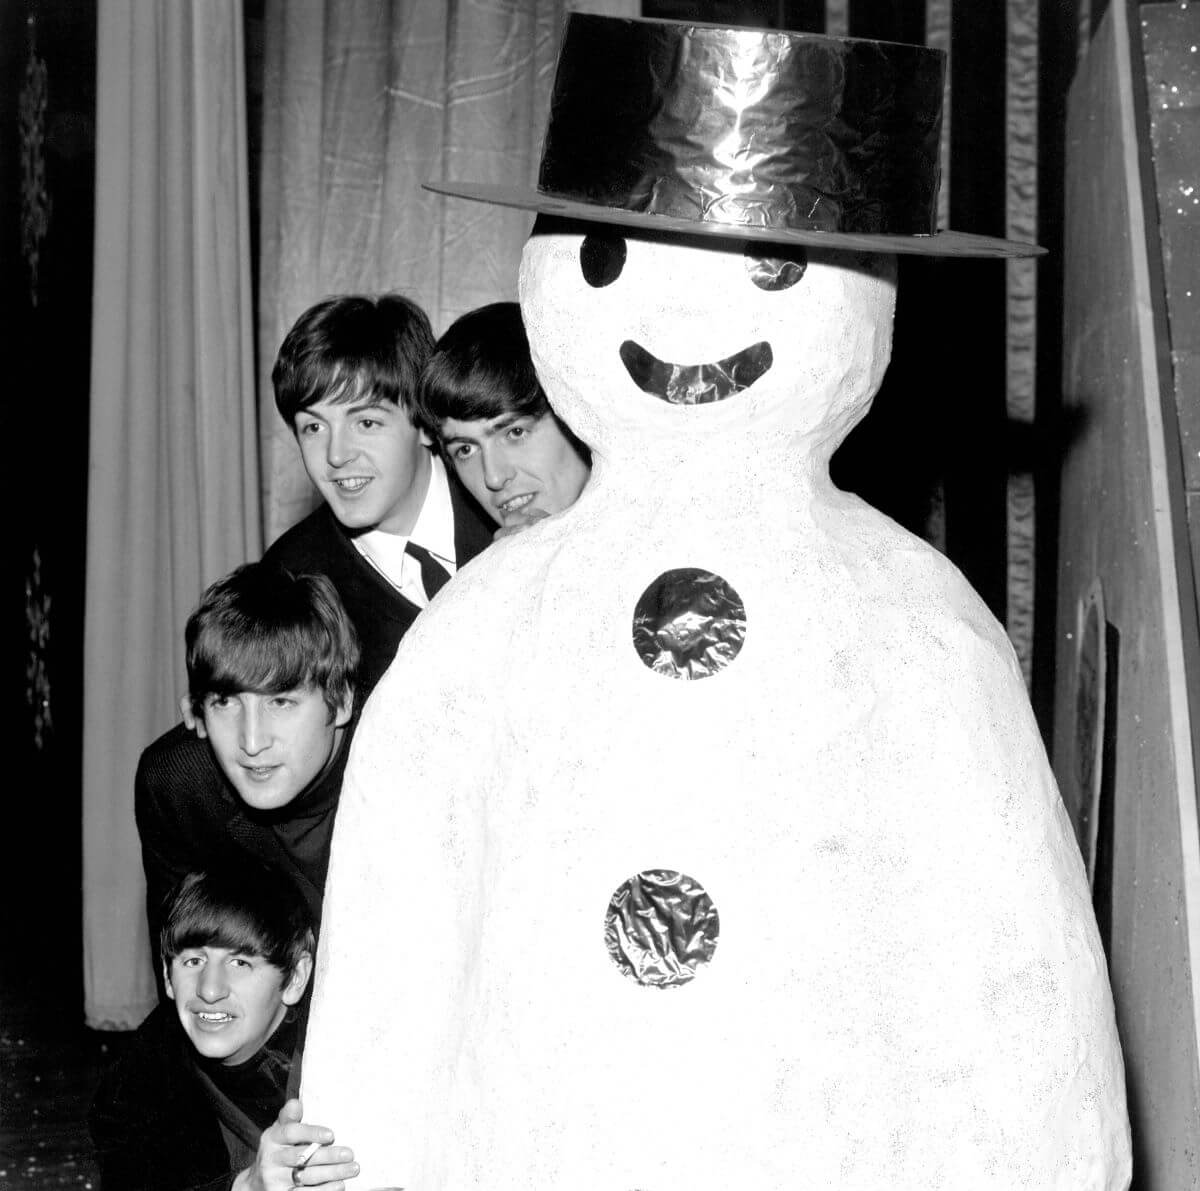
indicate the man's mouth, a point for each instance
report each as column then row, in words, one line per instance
column 514, row 503
column 259, row 773
column 352, row 484
column 214, row 1019
column 695, row 384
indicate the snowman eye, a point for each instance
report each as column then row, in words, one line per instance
column 601, row 259
column 776, row 272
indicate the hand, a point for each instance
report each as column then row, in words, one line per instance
column 519, row 521
column 282, row 1148
column 190, row 721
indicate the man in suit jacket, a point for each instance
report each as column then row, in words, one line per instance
column 271, row 661
column 395, row 525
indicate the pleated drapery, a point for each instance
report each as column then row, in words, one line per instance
column 1021, row 223
column 173, row 473
column 364, row 100
column 191, row 468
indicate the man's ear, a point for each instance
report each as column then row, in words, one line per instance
column 167, row 980
column 297, row 982
column 192, row 720
column 345, row 708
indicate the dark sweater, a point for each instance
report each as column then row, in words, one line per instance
column 189, row 817
column 165, row 1119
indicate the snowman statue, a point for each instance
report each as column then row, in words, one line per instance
column 701, row 837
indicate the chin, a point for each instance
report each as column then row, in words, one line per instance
column 355, row 518
column 211, row 1048
column 257, row 800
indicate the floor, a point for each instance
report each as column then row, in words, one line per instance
column 49, row 1065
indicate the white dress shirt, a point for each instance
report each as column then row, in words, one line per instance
column 434, row 530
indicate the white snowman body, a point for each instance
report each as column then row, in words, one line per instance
column 906, row 990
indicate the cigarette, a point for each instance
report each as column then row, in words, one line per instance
column 307, row 1156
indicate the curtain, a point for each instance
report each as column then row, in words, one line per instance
column 968, row 414
column 173, row 473
column 1021, row 223
column 363, row 101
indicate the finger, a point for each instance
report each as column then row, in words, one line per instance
column 292, row 1110
column 305, row 1155
column 300, row 1136
column 529, row 516
column 518, row 522
column 329, row 1177
column 322, row 1155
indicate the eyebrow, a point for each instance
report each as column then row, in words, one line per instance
column 497, row 426
column 353, row 407
column 236, row 952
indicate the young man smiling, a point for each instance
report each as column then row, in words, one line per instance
column 198, row 1099
column 394, row 526
column 271, row 661
column 493, row 423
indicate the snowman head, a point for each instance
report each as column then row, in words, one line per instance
column 639, row 336
column 725, row 205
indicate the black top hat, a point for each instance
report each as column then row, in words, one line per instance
column 751, row 133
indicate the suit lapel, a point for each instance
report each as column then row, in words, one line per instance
column 361, row 584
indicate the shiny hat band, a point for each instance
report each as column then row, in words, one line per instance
column 750, row 133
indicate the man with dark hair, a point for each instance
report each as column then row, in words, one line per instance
column 395, row 526
column 272, row 661
column 198, row 1099
column 481, row 396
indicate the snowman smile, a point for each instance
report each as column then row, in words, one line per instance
column 695, row 384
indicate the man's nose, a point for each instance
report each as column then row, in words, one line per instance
column 254, row 732
column 213, row 984
column 497, row 468
column 340, row 449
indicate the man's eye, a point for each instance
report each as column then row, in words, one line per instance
column 283, row 702
column 461, row 451
column 601, row 258
column 515, row 432
column 189, row 961
column 369, row 423
column 310, row 428
column 218, row 702
column 773, row 273
column 240, row 961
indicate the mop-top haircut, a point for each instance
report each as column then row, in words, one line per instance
column 250, row 910
column 352, row 348
column 480, row 368
column 263, row 629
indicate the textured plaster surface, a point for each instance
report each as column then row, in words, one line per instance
column 908, row 989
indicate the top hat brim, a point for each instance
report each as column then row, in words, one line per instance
column 941, row 243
